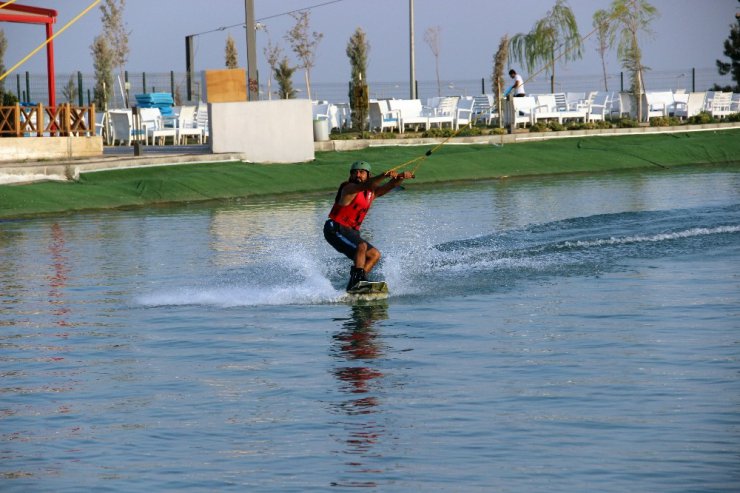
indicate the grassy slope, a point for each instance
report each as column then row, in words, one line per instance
column 184, row 183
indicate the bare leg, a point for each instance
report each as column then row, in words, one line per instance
column 366, row 259
column 371, row 258
column 360, row 255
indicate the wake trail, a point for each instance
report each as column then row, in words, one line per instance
column 582, row 246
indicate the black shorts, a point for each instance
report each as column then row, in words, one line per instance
column 344, row 240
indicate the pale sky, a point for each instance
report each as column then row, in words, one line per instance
column 687, row 34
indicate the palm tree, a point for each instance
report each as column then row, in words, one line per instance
column 628, row 19
column 283, row 75
column 499, row 63
column 557, row 30
column 604, row 38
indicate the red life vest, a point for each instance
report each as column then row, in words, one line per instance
column 352, row 214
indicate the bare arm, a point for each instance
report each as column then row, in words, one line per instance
column 395, row 180
column 351, row 189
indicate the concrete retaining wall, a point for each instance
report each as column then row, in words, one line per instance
column 49, row 148
column 263, row 131
column 520, row 136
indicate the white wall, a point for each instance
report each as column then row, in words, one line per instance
column 263, row 131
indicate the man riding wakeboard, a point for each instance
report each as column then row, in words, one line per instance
column 353, row 200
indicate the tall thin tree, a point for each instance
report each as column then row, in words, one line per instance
column 114, row 30
column 231, row 56
column 69, row 91
column 558, row 30
column 3, row 47
column 304, row 44
column 273, row 54
column 102, row 56
column 432, row 38
column 630, row 19
column 357, row 51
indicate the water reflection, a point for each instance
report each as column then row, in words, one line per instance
column 237, row 234
column 357, row 345
column 58, row 278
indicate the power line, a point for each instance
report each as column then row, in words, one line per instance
column 242, row 24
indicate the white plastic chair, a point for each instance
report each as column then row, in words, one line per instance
column 201, row 119
column 122, row 128
column 186, row 126
column 521, row 110
column 693, row 106
column 597, row 109
column 381, row 117
column 153, row 125
column 464, row 111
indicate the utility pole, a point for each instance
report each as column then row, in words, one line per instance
column 189, row 65
column 252, row 83
column 412, row 82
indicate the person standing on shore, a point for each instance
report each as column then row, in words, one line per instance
column 518, row 86
column 353, row 200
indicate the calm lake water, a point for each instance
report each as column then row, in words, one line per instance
column 559, row 334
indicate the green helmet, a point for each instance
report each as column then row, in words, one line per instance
column 360, row 165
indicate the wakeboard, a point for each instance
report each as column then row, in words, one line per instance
column 367, row 290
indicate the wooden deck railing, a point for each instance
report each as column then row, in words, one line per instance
column 47, row 121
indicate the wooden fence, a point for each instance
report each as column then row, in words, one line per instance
column 47, row 121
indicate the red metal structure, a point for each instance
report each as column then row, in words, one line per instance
column 36, row 15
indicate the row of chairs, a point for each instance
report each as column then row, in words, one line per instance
column 560, row 107
column 398, row 114
column 601, row 105
column 150, row 126
column 684, row 105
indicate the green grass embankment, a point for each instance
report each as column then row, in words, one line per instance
column 199, row 182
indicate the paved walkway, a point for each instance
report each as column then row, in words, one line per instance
column 114, row 157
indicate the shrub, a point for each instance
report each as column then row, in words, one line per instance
column 664, row 121
column 556, row 127
column 498, row 131
column 8, row 99
column 345, row 136
column 539, row 127
column 437, row 132
column 702, row 118
column 470, row 131
column 627, row 123
column 582, row 126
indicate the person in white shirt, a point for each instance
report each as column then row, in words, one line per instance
column 518, row 87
